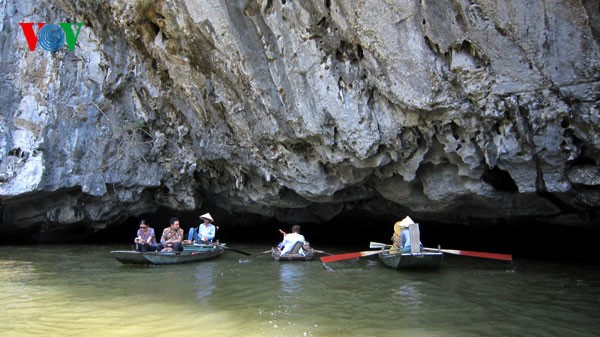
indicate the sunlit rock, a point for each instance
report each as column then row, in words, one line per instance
column 300, row 111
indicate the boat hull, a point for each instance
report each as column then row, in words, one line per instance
column 309, row 254
column 194, row 254
column 423, row 260
column 129, row 257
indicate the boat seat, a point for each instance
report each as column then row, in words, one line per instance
column 297, row 246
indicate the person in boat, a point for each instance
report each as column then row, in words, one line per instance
column 205, row 232
column 145, row 239
column 171, row 237
column 401, row 236
column 290, row 239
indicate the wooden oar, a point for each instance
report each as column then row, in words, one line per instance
column 494, row 256
column 378, row 245
column 348, row 256
column 484, row 255
column 321, row 252
column 235, row 250
column 314, row 250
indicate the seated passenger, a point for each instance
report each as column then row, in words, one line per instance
column 205, row 232
column 145, row 239
column 289, row 240
column 171, row 237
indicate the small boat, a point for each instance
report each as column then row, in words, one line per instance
column 190, row 253
column 419, row 260
column 129, row 257
column 416, row 258
column 294, row 255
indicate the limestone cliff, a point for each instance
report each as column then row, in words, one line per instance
column 301, row 111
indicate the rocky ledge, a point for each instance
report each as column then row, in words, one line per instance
column 300, row 111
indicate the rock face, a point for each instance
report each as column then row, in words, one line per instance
column 300, row 111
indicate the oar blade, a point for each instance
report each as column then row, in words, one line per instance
column 348, row 256
column 378, row 245
column 321, row 252
column 484, row 255
column 372, row 252
column 494, row 256
column 340, row 257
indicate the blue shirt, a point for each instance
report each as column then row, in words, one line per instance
column 405, row 238
column 205, row 231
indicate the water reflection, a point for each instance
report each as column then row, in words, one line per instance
column 289, row 315
column 409, row 296
column 205, row 281
column 290, row 277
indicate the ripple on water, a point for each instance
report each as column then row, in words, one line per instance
column 81, row 290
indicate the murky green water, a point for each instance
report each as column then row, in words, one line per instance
column 81, row 290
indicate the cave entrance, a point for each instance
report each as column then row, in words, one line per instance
column 349, row 232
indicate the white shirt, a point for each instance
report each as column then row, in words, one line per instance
column 289, row 240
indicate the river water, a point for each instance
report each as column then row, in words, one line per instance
column 80, row 290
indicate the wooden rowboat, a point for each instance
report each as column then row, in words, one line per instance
column 419, row 260
column 183, row 257
column 129, row 257
column 191, row 253
column 309, row 254
column 416, row 258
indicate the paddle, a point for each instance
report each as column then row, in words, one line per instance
column 236, row 250
column 484, row 255
column 378, row 245
column 321, row 252
column 348, row 256
column 314, row 250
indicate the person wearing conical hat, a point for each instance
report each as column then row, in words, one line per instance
column 205, row 232
column 401, row 237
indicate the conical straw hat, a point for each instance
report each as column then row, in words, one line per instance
column 401, row 224
column 207, row 216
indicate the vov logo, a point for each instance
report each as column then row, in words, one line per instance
column 51, row 37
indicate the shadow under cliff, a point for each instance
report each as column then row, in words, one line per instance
column 525, row 239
